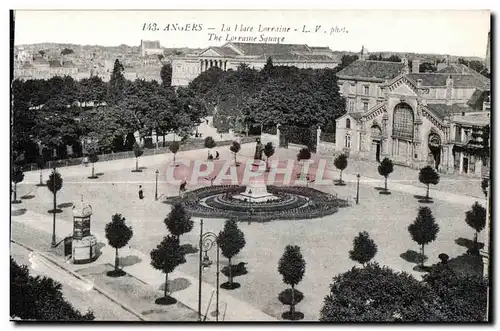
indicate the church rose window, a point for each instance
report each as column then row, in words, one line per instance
column 403, row 121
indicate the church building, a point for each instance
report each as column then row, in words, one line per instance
column 413, row 118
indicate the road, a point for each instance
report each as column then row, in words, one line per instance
column 79, row 293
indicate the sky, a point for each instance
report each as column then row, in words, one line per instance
column 454, row 32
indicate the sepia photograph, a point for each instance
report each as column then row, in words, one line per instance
column 279, row 166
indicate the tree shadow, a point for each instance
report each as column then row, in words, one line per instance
column 142, row 168
column 340, row 183
column 28, row 197
column 378, row 188
column 385, row 192
column 116, row 273
column 165, row 301
column 422, row 268
column 18, row 212
column 129, row 260
column 93, row 177
column 189, row 249
column 412, row 256
column 16, row 202
column 175, row 285
column 135, row 170
column 51, row 211
column 99, row 174
column 467, row 243
column 230, row 286
column 41, row 185
column 65, row 205
column 236, row 270
column 467, row 265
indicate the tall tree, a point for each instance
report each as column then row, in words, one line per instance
column 231, row 241
column 476, row 219
column 178, row 221
column 340, row 163
column 166, row 257
column 364, row 248
column 39, row 298
column 428, row 176
column 17, row 176
column 93, row 155
column 54, row 184
column 166, row 74
column 118, row 235
column 379, row 294
column 138, row 151
column 116, row 84
column 292, row 267
column 423, row 230
column 385, row 168
column 235, row 148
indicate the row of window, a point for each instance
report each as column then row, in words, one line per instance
column 366, row 90
column 351, row 103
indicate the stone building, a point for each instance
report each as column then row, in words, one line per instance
column 414, row 118
column 150, row 48
column 41, row 68
column 231, row 55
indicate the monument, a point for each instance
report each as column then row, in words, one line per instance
column 84, row 243
column 256, row 191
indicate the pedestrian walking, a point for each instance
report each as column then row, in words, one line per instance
column 141, row 193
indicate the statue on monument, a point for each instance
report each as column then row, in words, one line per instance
column 258, row 150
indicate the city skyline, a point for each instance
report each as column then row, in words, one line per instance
column 415, row 32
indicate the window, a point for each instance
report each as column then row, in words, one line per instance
column 352, row 88
column 347, row 141
column 365, row 105
column 403, row 121
column 350, row 105
column 366, row 90
column 347, row 123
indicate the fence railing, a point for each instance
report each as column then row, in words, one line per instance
column 186, row 146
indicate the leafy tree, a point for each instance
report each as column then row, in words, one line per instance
column 235, row 148
column 166, row 257
column 39, row 298
column 346, row 60
column 292, row 267
column 463, row 297
column 54, row 184
column 42, row 53
column 304, row 154
column 174, row 148
column 116, row 84
column 340, row 163
column 484, row 186
column 93, row 155
column 40, row 162
column 427, row 67
column 424, row 229
column 231, row 241
column 364, row 248
column 268, row 151
column 17, row 176
column 428, row 176
column 118, row 235
column 166, row 74
column 385, row 168
column 67, row 51
column 379, row 294
column 178, row 221
column 476, row 219
column 138, row 151
column 209, row 143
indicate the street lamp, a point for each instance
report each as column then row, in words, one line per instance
column 156, row 185
column 357, row 190
column 53, row 244
column 207, row 241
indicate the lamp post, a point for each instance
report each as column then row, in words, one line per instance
column 156, row 185
column 207, row 241
column 53, row 244
column 357, row 190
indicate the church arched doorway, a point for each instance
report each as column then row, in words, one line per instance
column 435, row 149
column 376, row 136
column 402, row 132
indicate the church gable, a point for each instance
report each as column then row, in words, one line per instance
column 403, row 86
column 404, row 89
column 210, row 52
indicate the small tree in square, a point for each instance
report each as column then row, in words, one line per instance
column 166, row 257
column 364, row 248
column 118, row 235
column 304, row 154
column 174, row 148
column 385, row 168
column 231, row 241
column 209, row 144
column 428, row 176
column 54, row 184
column 138, row 151
column 17, row 176
column 178, row 221
column 268, row 151
column 235, row 148
column 41, row 162
column 93, row 158
column 292, row 267
column 423, row 230
column 340, row 163
column 476, row 219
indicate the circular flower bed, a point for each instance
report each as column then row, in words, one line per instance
column 293, row 202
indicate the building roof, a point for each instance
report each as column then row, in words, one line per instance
column 150, row 44
column 478, row 97
column 256, row 49
column 442, row 110
column 459, row 80
column 482, row 119
column 297, row 57
column 227, row 51
column 372, row 69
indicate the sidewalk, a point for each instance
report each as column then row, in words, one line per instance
column 237, row 310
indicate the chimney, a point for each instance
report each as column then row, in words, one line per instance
column 415, row 66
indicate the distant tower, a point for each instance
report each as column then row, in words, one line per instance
column 363, row 55
column 488, row 55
